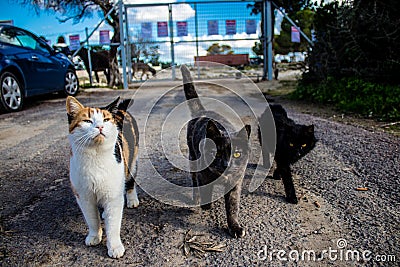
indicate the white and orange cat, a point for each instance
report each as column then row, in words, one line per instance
column 103, row 167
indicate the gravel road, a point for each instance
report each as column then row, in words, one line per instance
column 41, row 224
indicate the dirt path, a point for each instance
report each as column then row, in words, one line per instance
column 42, row 225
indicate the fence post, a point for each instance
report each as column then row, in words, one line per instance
column 122, row 42
column 269, row 39
column 171, row 30
column 89, row 57
column 197, row 40
column 128, row 48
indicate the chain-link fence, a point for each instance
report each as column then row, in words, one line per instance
column 164, row 35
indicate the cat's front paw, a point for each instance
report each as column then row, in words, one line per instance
column 132, row 203
column 237, row 231
column 132, row 200
column 92, row 240
column 292, row 199
column 116, row 251
column 276, row 175
column 206, row 206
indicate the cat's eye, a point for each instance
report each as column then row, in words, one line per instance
column 303, row 145
column 237, row 154
column 106, row 119
column 87, row 121
column 291, row 144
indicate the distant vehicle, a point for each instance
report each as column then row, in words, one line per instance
column 78, row 63
column 29, row 66
column 62, row 48
column 233, row 60
column 256, row 61
column 291, row 57
column 282, row 58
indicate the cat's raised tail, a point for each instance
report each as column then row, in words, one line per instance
column 190, row 92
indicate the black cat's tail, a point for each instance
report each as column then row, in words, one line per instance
column 277, row 110
column 190, row 92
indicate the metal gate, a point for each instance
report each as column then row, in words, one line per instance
column 176, row 33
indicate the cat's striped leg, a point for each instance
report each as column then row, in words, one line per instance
column 232, row 202
column 132, row 200
column 205, row 196
column 196, row 191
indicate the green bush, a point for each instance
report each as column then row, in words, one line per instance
column 354, row 95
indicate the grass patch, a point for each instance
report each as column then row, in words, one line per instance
column 87, row 86
column 354, row 95
column 285, row 87
column 280, row 91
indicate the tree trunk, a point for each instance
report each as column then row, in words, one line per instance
column 115, row 77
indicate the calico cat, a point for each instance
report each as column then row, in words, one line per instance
column 103, row 165
column 227, row 160
column 293, row 141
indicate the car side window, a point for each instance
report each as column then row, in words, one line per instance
column 27, row 41
column 21, row 38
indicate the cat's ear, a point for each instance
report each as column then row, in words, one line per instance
column 73, row 106
column 310, row 129
column 125, row 104
column 113, row 106
column 245, row 130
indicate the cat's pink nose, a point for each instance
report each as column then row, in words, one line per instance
column 100, row 128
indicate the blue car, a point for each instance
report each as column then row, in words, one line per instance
column 29, row 67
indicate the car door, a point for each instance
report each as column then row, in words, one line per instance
column 55, row 65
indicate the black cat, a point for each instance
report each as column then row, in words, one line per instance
column 293, row 141
column 222, row 161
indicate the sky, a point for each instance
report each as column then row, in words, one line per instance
column 47, row 25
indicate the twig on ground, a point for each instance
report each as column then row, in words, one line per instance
column 198, row 248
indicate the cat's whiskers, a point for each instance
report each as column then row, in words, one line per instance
column 82, row 141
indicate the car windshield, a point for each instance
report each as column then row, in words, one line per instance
column 21, row 38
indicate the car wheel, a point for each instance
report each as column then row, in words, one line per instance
column 71, row 86
column 11, row 93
